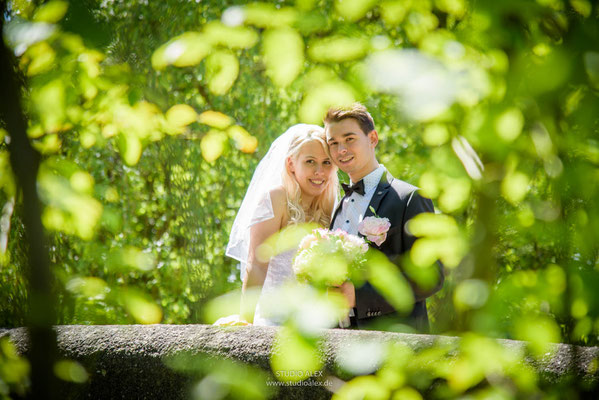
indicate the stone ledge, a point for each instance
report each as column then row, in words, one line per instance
column 127, row 361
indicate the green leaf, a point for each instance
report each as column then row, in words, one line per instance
column 283, row 52
column 393, row 12
column 185, row 50
column 215, row 119
column 515, row 186
column 238, row 380
column 591, row 65
column 69, row 209
column 243, row 140
column 82, row 182
column 238, row 37
column 318, row 100
column 432, row 225
column 15, row 368
column 180, row 115
column 51, row 12
column 229, row 304
column 130, row 147
column 583, row 7
column 509, row 124
column 265, row 15
column 540, row 331
column 471, row 294
column 338, row 49
column 141, row 308
column 50, row 102
column 286, row 239
column 353, row 10
column 7, row 181
column 294, row 358
column 305, row 5
column 222, row 69
column 213, row 145
column 456, row 194
column 131, row 257
column 89, row 287
column 364, row 387
column 42, row 58
column 142, row 121
column 435, row 134
column 388, row 280
column 70, row 371
column 455, row 8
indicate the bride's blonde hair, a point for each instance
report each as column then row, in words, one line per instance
column 322, row 205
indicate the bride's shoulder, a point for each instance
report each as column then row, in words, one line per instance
column 278, row 197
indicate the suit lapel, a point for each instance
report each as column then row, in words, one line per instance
column 379, row 194
column 336, row 213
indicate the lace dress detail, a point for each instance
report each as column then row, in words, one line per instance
column 279, row 272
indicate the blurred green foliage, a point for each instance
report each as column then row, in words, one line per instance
column 14, row 371
column 150, row 126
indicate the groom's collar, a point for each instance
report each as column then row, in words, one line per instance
column 372, row 180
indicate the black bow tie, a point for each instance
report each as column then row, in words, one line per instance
column 358, row 187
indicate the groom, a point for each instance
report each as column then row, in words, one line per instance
column 352, row 140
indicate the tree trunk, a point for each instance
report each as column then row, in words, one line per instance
column 25, row 163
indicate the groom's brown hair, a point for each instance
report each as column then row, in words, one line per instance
column 356, row 111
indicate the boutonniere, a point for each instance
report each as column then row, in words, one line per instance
column 375, row 229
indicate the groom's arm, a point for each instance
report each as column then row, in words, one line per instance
column 370, row 303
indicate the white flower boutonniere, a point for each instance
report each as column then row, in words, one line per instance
column 375, row 229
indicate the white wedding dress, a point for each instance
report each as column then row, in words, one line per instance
column 280, row 272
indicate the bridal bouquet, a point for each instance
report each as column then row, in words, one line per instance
column 328, row 258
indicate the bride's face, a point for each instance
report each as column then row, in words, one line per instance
column 312, row 168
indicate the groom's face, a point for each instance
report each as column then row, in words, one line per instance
column 351, row 148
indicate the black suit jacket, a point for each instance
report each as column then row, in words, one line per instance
column 399, row 202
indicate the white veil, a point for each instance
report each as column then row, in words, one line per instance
column 256, row 205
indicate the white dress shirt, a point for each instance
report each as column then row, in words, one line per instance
column 353, row 209
column 355, row 206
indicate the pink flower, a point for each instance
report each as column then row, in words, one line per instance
column 375, row 229
column 307, row 241
column 340, row 232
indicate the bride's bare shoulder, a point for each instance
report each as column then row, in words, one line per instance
column 278, row 196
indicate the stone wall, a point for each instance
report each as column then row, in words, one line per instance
column 130, row 361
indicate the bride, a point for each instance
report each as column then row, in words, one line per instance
column 295, row 182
